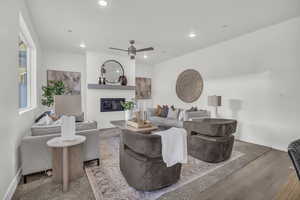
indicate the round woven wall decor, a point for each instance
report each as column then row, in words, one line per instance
column 189, row 85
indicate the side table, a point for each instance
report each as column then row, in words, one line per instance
column 67, row 162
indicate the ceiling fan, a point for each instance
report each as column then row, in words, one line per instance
column 132, row 50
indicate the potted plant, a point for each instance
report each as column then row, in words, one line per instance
column 128, row 108
column 53, row 88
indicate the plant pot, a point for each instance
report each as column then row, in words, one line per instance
column 128, row 114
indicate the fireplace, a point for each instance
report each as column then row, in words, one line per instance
column 111, row 104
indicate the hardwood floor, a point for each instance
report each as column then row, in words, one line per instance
column 290, row 191
column 259, row 180
column 262, row 178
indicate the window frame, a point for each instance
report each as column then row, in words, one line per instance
column 25, row 36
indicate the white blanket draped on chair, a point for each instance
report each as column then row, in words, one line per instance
column 174, row 146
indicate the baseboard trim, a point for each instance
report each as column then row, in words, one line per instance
column 13, row 186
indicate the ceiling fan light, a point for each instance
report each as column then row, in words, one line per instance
column 82, row 45
column 192, row 35
column 103, row 3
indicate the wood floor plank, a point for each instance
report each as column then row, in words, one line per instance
column 259, row 180
column 291, row 190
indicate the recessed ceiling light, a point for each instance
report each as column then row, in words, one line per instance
column 225, row 26
column 145, row 56
column 102, row 3
column 82, row 45
column 192, row 35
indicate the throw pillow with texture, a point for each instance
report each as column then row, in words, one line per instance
column 158, row 110
column 165, row 110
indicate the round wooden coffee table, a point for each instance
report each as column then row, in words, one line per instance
column 67, row 162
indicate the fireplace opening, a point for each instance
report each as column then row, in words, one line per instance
column 111, row 104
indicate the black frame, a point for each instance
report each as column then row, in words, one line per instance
column 103, row 71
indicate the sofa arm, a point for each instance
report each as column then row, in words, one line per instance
column 35, row 154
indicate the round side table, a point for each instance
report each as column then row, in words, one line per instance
column 67, row 162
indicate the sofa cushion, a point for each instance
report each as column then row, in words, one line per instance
column 54, row 129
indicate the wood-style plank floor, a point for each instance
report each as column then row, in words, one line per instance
column 259, row 180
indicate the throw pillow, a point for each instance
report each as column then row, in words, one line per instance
column 173, row 114
column 46, row 120
column 158, row 110
column 165, row 110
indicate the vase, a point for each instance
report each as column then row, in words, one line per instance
column 128, row 115
column 123, row 80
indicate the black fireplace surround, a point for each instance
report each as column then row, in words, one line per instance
column 111, row 104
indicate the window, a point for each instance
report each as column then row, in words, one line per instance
column 26, row 69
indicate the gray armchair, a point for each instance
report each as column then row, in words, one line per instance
column 211, row 140
column 294, row 153
column 141, row 162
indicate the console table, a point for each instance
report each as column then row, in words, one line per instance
column 67, row 162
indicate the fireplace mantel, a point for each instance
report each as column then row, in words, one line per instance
column 110, row 87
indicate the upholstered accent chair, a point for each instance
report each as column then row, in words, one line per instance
column 141, row 162
column 210, row 139
column 294, row 153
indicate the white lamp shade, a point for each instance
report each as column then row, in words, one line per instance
column 214, row 100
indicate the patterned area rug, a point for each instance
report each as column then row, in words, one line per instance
column 108, row 182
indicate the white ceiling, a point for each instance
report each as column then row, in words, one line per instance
column 163, row 24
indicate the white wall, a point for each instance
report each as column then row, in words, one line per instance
column 256, row 74
column 12, row 125
column 63, row 61
column 94, row 62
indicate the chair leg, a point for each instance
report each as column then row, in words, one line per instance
column 98, row 162
column 24, row 179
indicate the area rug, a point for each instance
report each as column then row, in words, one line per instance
column 108, row 183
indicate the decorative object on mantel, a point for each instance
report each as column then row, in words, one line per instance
column 128, row 107
column 215, row 101
column 123, row 80
column 189, row 85
column 111, row 70
column 71, row 80
column 143, row 88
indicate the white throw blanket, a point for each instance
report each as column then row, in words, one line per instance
column 174, row 146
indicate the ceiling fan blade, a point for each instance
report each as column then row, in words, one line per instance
column 118, row 49
column 145, row 49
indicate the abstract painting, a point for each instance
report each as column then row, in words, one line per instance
column 72, row 80
column 143, row 88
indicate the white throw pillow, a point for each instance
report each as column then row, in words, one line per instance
column 172, row 114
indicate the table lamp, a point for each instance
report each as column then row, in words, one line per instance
column 215, row 101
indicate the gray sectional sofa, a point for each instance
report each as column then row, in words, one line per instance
column 175, row 122
column 36, row 156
